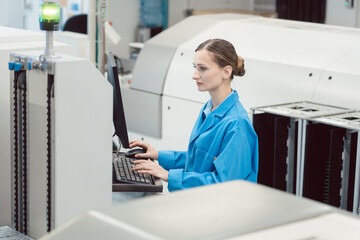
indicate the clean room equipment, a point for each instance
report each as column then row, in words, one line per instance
column 61, row 140
column 285, row 61
column 60, row 137
column 12, row 40
column 311, row 150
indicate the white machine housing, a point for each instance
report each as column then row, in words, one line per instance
column 228, row 210
column 12, row 40
column 81, row 140
column 285, row 61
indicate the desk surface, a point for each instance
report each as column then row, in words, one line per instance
column 7, row 233
column 212, row 212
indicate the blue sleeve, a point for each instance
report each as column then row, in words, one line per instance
column 172, row 159
column 238, row 159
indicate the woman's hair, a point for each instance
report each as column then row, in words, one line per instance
column 224, row 55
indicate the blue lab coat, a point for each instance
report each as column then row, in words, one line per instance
column 223, row 147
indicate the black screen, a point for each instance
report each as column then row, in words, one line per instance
column 118, row 108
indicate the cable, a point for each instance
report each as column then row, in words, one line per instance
column 119, row 65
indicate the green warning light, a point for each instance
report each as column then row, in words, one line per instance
column 49, row 16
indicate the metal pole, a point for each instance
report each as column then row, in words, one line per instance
column 290, row 157
column 345, row 170
column 49, row 50
column 300, row 157
column 357, row 178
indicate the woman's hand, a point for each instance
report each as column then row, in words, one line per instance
column 152, row 168
column 151, row 152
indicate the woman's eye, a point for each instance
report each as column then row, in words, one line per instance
column 199, row 68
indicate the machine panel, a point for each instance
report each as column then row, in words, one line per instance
column 340, row 82
column 13, row 40
column 62, row 158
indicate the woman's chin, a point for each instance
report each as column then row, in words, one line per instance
column 201, row 89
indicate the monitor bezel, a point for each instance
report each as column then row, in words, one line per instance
column 119, row 118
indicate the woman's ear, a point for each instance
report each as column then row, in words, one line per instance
column 227, row 72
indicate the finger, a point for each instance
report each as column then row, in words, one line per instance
column 134, row 141
column 141, row 155
column 141, row 166
column 144, row 166
column 137, row 167
column 142, row 169
column 145, row 172
column 138, row 143
column 138, row 161
column 134, row 144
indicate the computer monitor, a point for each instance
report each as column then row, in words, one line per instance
column 118, row 107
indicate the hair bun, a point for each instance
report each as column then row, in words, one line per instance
column 240, row 70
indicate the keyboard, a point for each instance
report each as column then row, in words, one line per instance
column 124, row 173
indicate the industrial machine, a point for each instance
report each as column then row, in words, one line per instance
column 60, row 140
column 285, row 61
column 61, row 137
column 13, row 40
column 311, row 150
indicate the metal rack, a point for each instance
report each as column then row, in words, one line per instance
column 351, row 122
column 306, row 148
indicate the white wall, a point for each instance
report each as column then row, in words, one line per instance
column 221, row 4
column 31, row 12
column 177, row 8
column 338, row 14
column 22, row 14
column 124, row 14
column 265, row 5
column 358, row 15
column 177, row 11
column 11, row 8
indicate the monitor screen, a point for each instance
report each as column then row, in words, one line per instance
column 118, row 108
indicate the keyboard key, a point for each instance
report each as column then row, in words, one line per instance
column 124, row 173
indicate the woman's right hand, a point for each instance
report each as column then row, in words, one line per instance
column 151, row 152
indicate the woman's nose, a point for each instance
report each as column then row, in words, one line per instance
column 195, row 75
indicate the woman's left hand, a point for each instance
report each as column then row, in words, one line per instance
column 152, row 168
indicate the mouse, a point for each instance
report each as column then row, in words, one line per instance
column 132, row 152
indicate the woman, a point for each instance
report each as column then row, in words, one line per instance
column 223, row 144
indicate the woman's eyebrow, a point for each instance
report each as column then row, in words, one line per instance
column 199, row 64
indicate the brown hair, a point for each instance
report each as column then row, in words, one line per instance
column 224, row 55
